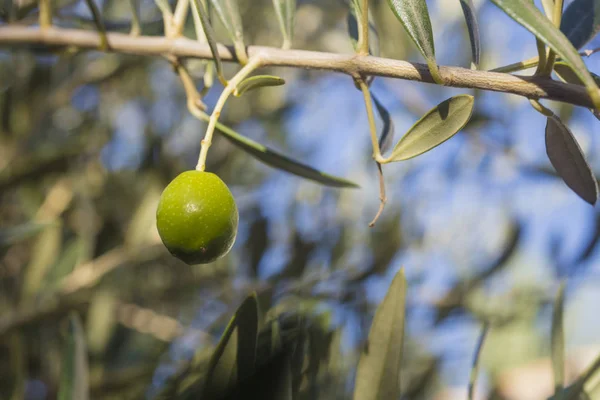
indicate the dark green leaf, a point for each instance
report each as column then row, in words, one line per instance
column 526, row 14
column 387, row 133
column 277, row 160
column 581, row 21
column 74, row 369
column 435, row 127
column 285, row 10
column 473, row 28
column 99, row 23
column 201, row 17
column 568, row 160
column 378, row 371
column 558, row 341
column 476, row 357
column 258, row 81
column 566, row 73
column 414, row 16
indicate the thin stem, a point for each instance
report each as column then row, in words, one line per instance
column 97, row 16
column 541, row 48
column 382, row 196
column 252, row 64
column 556, row 18
column 180, row 15
column 136, row 27
column 45, row 13
column 165, row 9
column 371, row 116
column 363, row 43
column 539, row 107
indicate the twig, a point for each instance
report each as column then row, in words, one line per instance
column 45, row 13
column 527, row 86
column 363, row 42
column 382, row 196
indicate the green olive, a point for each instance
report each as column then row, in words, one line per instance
column 197, row 218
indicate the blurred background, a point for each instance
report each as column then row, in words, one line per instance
column 484, row 229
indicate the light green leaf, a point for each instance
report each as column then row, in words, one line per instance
column 258, row 81
column 569, row 161
column 285, row 10
column 378, row 371
column 74, row 370
column 435, row 127
column 526, row 14
column 469, row 12
column 414, row 16
column 278, row 160
column 234, row 358
column 558, row 341
column 229, row 14
column 581, row 21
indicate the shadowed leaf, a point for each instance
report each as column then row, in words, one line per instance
column 74, row 369
column 435, row 127
column 353, row 32
column 568, row 160
column 581, row 21
column 476, row 357
column 378, row 371
column 387, row 133
column 473, row 28
column 526, row 14
column 414, row 16
column 258, row 81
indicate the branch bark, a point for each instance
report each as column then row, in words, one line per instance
column 527, row 86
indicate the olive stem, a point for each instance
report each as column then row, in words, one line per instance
column 372, row 128
column 363, row 41
column 254, row 63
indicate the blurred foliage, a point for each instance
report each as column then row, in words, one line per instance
column 89, row 140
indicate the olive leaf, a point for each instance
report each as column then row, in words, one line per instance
column 435, row 127
column 558, row 341
column 285, row 10
column 475, row 365
column 414, row 16
column 387, row 132
column 469, row 11
column 352, row 22
column 581, row 21
column 201, row 17
column 99, row 24
column 526, row 14
column 277, row 160
column 566, row 73
column 378, row 371
column 74, row 383
column 229, row 14
column 258, row 81
column 234, row 358
column 568, row 160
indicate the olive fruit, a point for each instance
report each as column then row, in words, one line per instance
column 197, row 218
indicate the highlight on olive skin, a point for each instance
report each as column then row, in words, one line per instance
column 197, row 218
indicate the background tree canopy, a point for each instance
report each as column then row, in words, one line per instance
column 478, row 232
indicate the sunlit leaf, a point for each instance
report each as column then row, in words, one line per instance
column 568, row 160
column 74, row 369
column 387, row 133
column 229, row 14
column 435, row 127
column 581, row 21
column 473, row 27
column 277, row 160
column 526, row 14
column 475, row 365
column 258, row 81
column 378, row 371
column 558, row 341
column 414, row 15
column 285, row 10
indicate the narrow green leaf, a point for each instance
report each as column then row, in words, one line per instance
column 387, row 133
column 569, row 161
column 352, row 21
column 566, row 73
column 278, row 160
column 558, row 341
column 285, row 10
column 476, row 357
column 526, row 14
column 234, row 358
column 229, row 14
column 378, row 371
column 74, row 370
column 581, row 21
column 201, row 16
column 469, row 12
column 435, row 127
column 414, row 16
column 257, row 81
